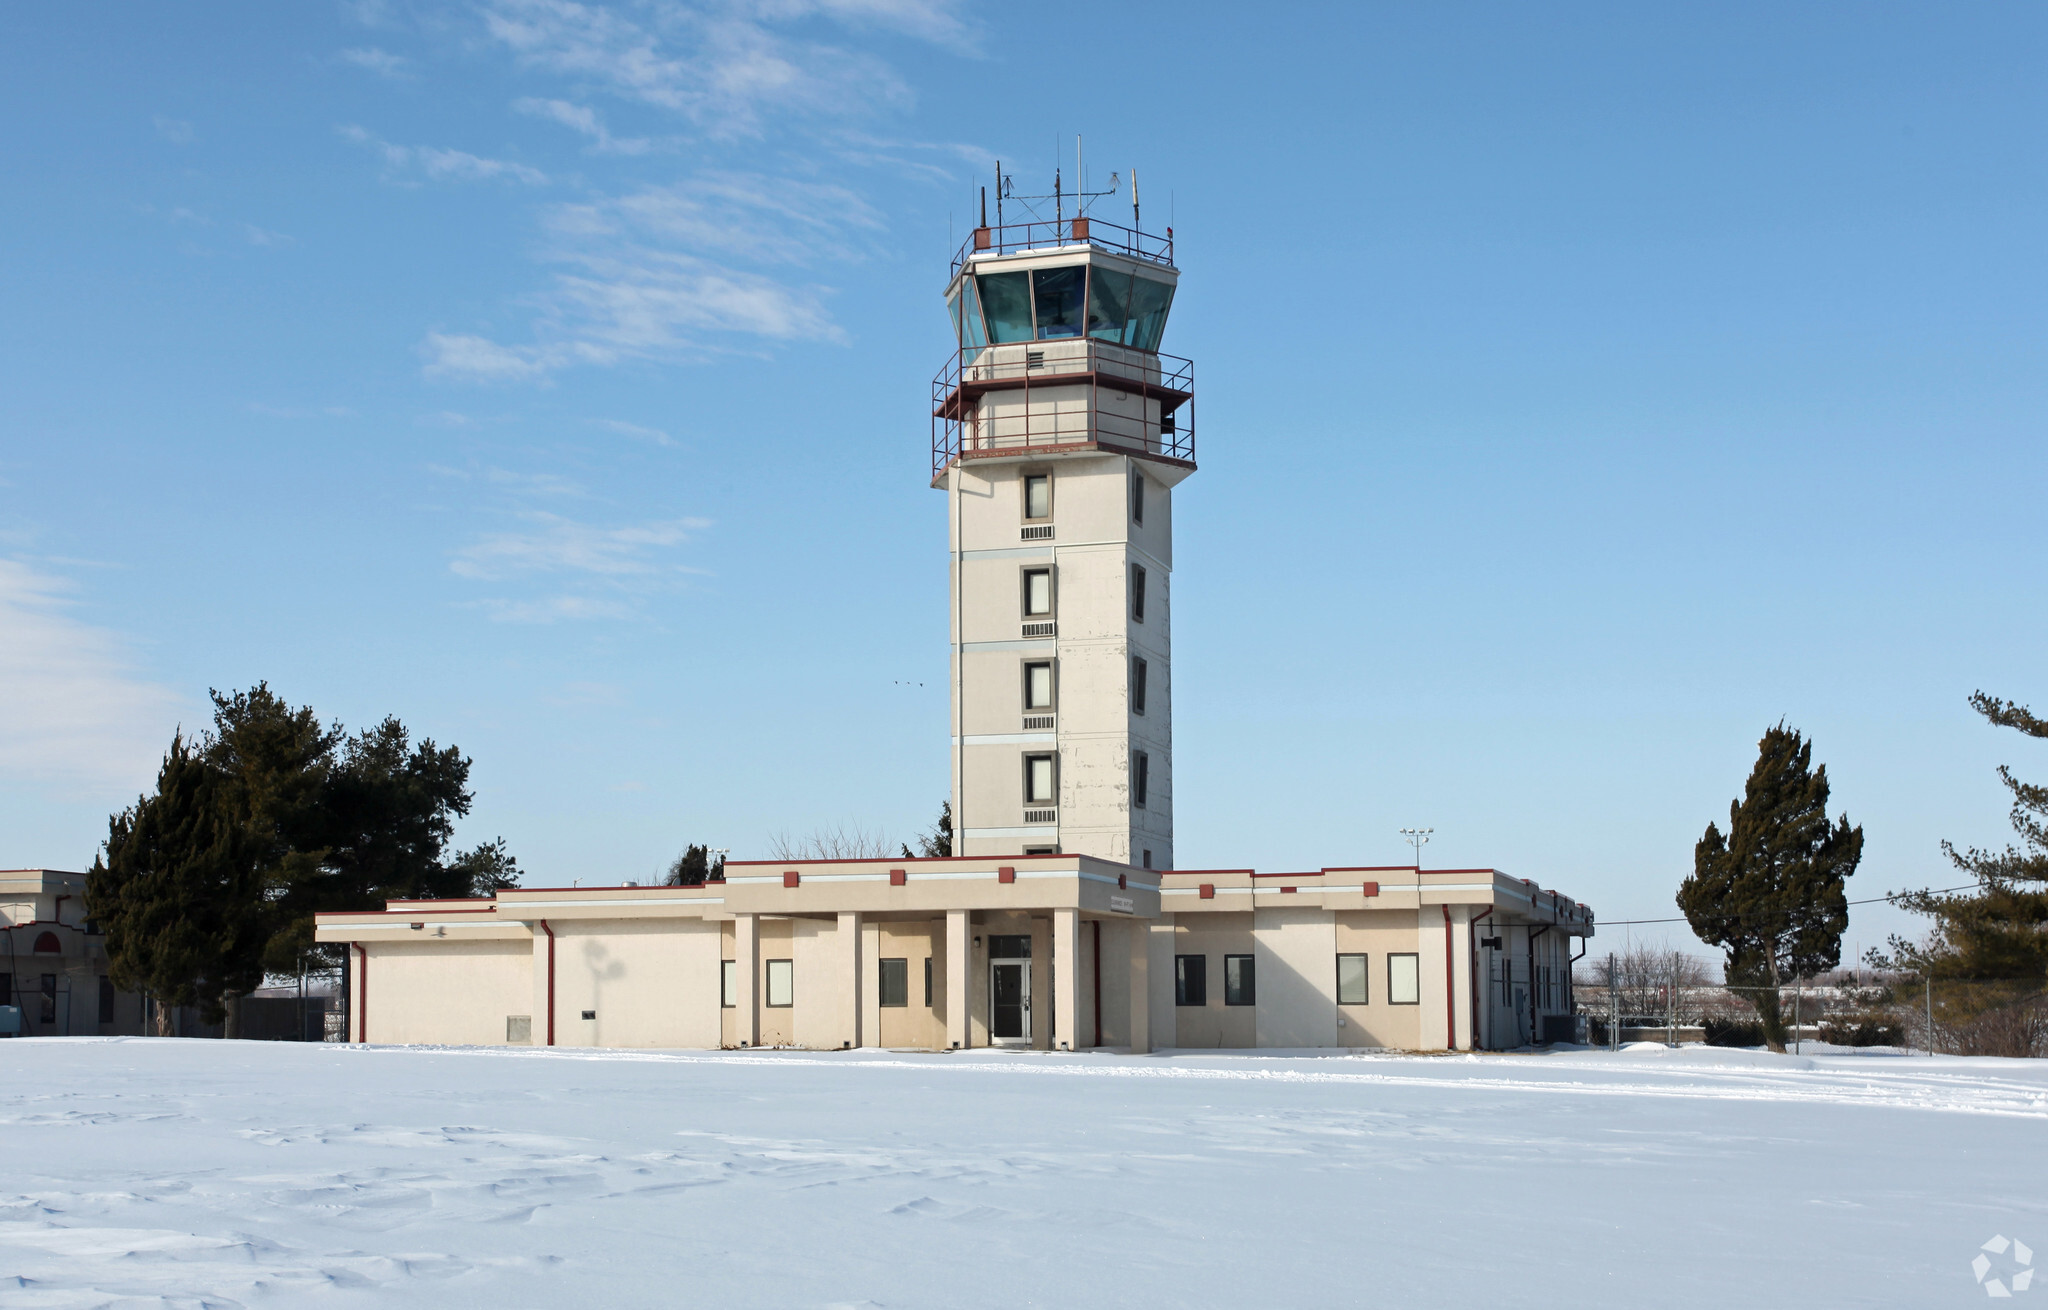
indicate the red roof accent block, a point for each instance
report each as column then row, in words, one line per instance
column 1368, row 889
column 791, row 878
column 1208, row 891
column 1006, row 874
column 898, row 878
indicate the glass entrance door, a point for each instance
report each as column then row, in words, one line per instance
column 1009, row 990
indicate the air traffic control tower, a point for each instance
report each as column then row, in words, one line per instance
column 1059, row 431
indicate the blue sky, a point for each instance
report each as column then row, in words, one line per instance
column 1581, row 390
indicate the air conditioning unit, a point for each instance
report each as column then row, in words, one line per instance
column 1570, row 1028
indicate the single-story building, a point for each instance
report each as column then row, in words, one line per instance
column 1046, row 952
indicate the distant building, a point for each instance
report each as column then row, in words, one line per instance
column 54, row 969
column 1059, row 434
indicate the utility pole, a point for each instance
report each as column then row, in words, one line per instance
column 1798, row 991
column 1613, row 1005
column 1930, row 1015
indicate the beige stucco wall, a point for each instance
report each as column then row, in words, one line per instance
column 1296, row 951
column 1378, row 934
column 447, row 991
column 1215, row 1024
column 651, row 983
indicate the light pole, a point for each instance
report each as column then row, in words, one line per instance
column 721, row 852
column 1418, row 838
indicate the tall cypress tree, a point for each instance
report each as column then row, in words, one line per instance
column 179, row 894
column 1771, row 891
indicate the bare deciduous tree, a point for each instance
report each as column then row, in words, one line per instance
column 1644, row 976
column 839, row 841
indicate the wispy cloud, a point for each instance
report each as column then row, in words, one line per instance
column 725, row 68
column 74, row 710
column 269, row 240
column 381, row 62
column 553, row 544
column 441, row 164
column 636, row 431
column 583, row 119
column 174, row 130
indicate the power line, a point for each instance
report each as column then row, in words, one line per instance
column 1750, row 914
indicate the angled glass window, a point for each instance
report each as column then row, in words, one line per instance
column 1006, row 304
column 1137, row 496
column 1138, row 593
column 1139, row 668
column 1141, row 786
column 1190, row 980
column 973, row 333
column 1351, row 980
column 1057, row 295
column 1109, row 301
column 1149, row 302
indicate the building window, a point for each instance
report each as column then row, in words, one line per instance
column 1138, row 593
column 106, row 1000
column 1010, row 946
column 1038, row 495
column 927, row 982
column 1404, row 980
column 1137, row 496
column 1190, row 980
column 729, row 984
column 895, row 983
column 1148, row 858
column 1351, row 980
column 1038, row 685
column 1141, row 784
column 781, row 984
column 49, row 1011
column 1041, row 781
column 1139, row 668
column 6, row 989
column 1240, row 980
column 1041, row 850
column 1037, row 593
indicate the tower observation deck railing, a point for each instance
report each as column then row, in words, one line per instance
column 1017, row 238
column 1047, row 396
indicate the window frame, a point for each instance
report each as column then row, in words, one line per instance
column 768, row 1000
column 1030, row 797
column 927, row 982
column 728, row 984
column 1138, row 580
column 1137, row 497
column 1191, row 986
column 1052, row 686
column 1414, row 959
column 1364, row 959
column 1245, row 987
column 902, row 963
column 1140, row 669
column 1052, row 598
column 1141, row 779
column 1024, row 481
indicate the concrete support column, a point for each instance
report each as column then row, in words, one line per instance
column 871, row 985
column 852, row 970
column 958, row 955
column 746, row 954
column 1066, row 980
column 1138, row 934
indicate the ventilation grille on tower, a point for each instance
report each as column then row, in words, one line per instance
column 1038, row 532
column 1038, row 722
column 1038, row 629
column 1041, row 816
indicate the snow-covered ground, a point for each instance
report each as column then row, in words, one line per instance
column 165, row 1173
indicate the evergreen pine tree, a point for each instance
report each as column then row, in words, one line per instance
column 691, row 869
column 2000, row 930
column 1771, row 891
column 939, row 841
column 179, row 894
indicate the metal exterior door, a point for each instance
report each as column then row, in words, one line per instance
column 1009, row 995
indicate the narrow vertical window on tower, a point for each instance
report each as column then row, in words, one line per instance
column 1137, row 496
column 1037, row 593
column 1041, row 781
column 1141, row 779
column 1137, row 593
column 1038, row 686
column 1038, row 495
column 1138, row 669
